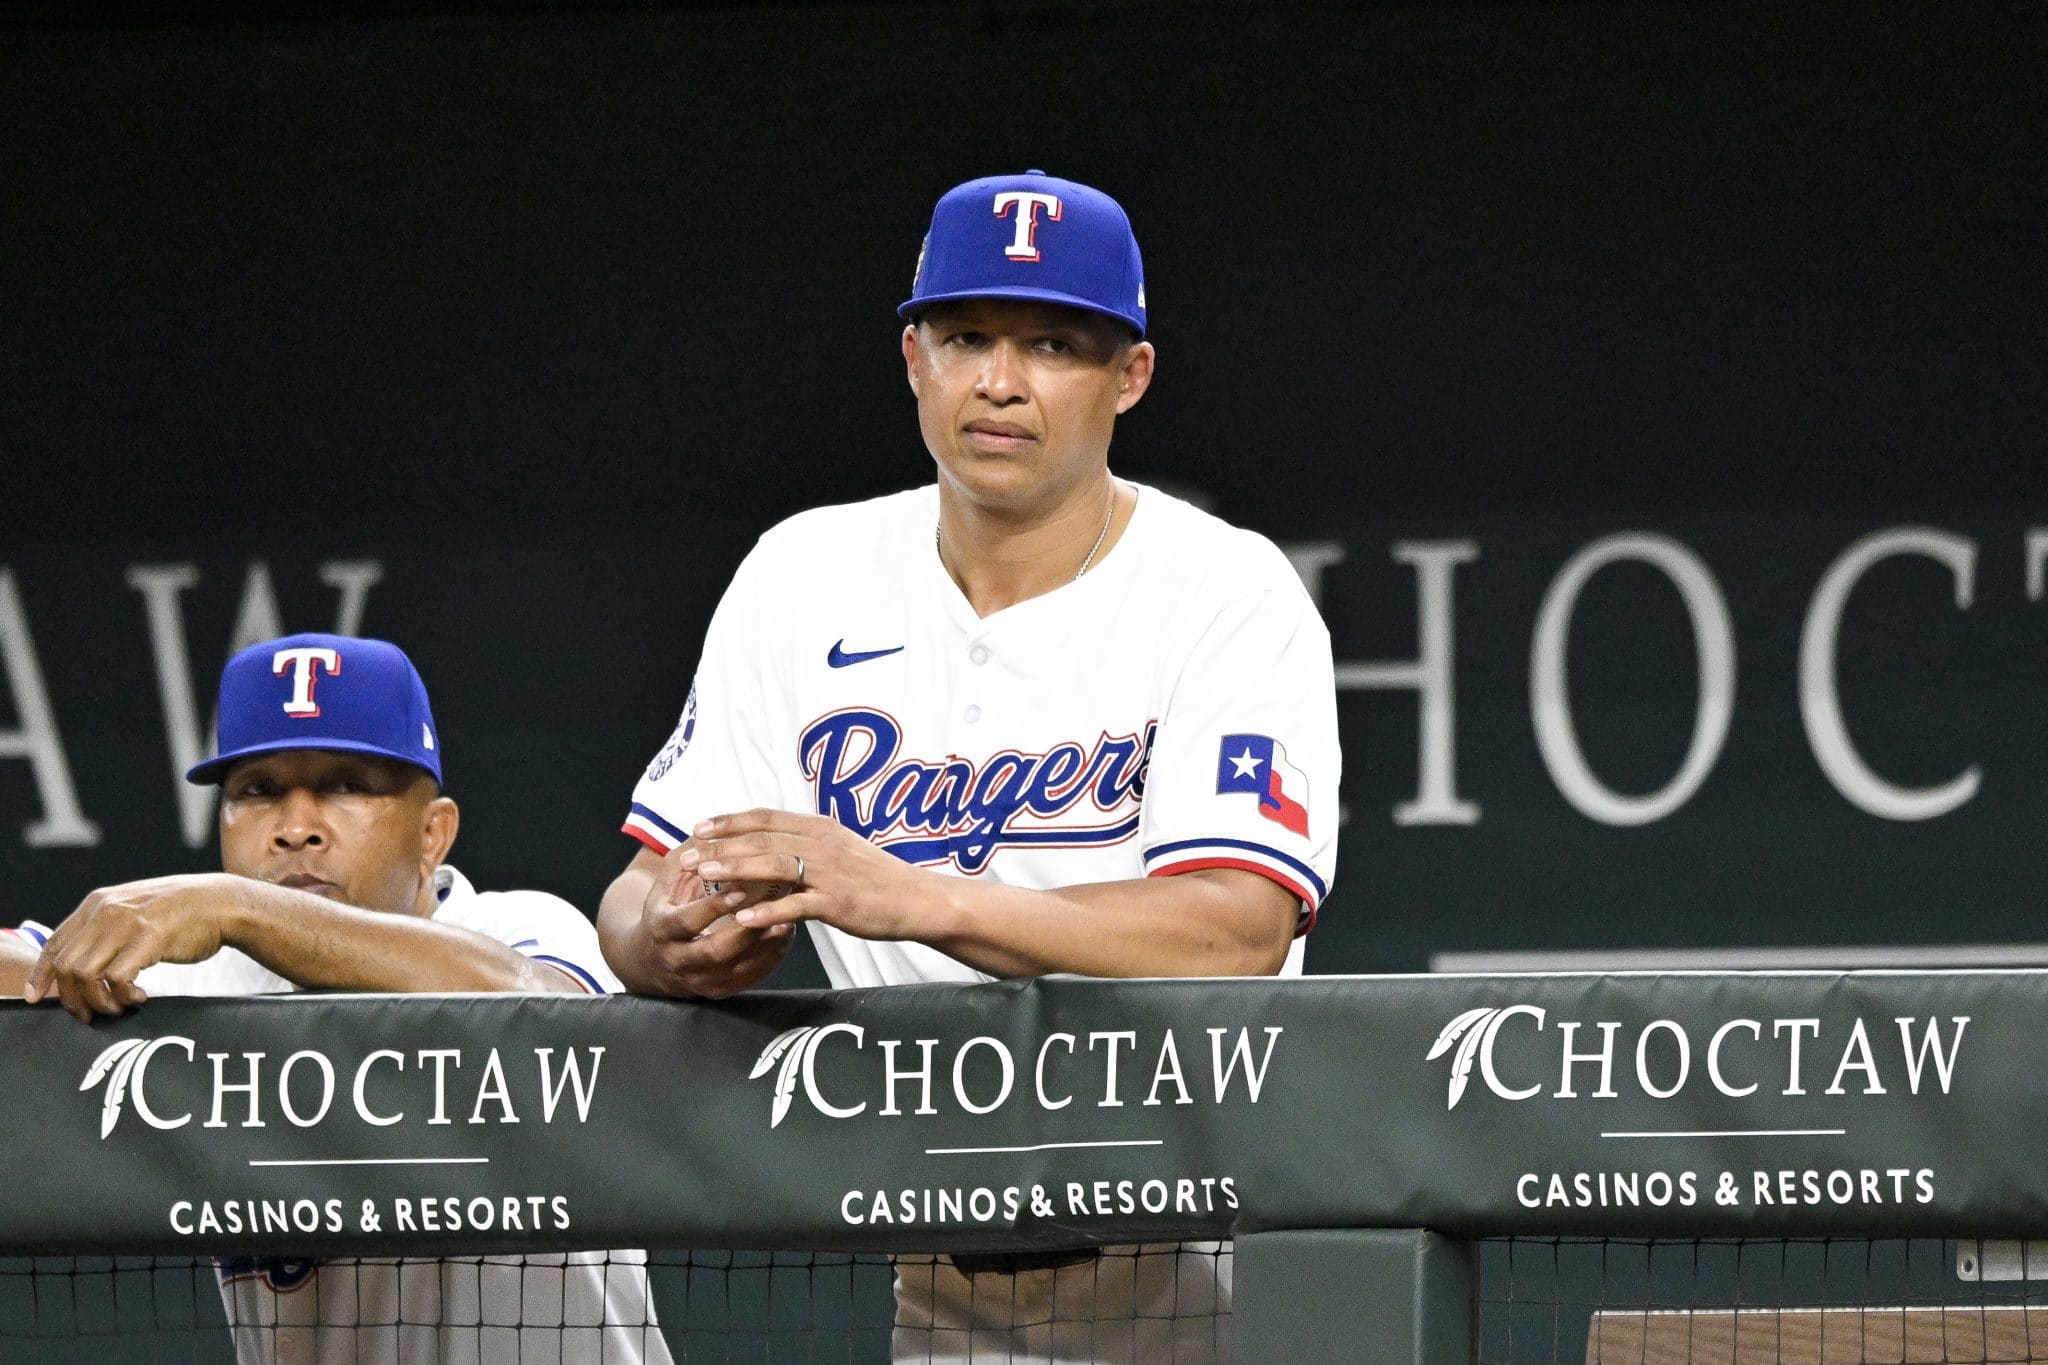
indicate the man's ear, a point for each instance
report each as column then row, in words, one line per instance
column 1136, row 376
column 439, row 823
column 910, row 354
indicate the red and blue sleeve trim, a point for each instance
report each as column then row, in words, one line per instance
column 1285, row 870
column 574, row 972
column 652, row 830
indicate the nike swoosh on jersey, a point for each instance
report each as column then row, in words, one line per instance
column 839, row 657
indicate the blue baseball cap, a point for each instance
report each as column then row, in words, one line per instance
column 1031, row 236
column 322, row 692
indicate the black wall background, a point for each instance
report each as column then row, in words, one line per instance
column 550, row 313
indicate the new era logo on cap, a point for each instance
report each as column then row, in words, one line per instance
column 1031, row 236
column 333, row 692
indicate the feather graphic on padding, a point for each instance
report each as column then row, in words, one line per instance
column 785, row 1080
column 775, row 1049
column 117, row 1091
column 1461, row 1063
column 104, row 1063
column 1453, row 1029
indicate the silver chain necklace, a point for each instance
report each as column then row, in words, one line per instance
column 939, row 544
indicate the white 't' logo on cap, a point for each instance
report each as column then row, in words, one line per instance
column 1024, row 246
column 305, row 664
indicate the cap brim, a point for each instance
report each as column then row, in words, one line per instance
column 213, row 770
column 1025, row 292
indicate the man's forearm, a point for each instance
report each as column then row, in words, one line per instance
column 1201, row 923
column 1198, row 924
column 1212, row 921
column 620, row 932
column 317, row 943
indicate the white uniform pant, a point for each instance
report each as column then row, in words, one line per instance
column 1155, row 1304
column 579, row 1308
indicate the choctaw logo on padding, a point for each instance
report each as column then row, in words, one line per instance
column 1476, row 1027
column 120, row 1068
column 1801, row 1056
column 794, row 1048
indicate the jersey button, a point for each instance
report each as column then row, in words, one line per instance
column 978, row 654
column 971, row 714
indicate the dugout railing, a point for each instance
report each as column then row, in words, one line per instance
column 1644, row 1167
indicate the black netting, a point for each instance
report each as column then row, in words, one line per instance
column 1161, row 1303
column 1538, row 1300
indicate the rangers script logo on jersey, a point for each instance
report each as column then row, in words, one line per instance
column 958, row 810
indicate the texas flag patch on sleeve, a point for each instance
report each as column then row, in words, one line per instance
column 1256, row 765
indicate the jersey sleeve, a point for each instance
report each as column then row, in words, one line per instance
column 546, row 929
column 717, row 760
column 1245, row 764
column 35, row 933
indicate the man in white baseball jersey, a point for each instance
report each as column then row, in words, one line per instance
column 1031, row 719
column 332, row 831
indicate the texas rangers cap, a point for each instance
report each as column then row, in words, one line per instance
column 322, row 692
column 1031, row 236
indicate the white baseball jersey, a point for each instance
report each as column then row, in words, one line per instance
column 581, row 1306
column 1172, row 709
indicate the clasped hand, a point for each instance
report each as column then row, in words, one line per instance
column 830, row 873
column 721, row 913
